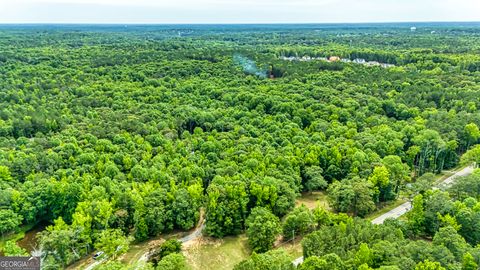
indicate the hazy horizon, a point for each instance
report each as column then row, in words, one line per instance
column 236, row 11
column 240, row 23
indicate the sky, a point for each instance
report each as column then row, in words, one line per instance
column 236, row 11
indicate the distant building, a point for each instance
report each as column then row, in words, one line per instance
column 413, row 28
column 334, row 59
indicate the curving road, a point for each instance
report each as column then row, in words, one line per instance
column 404, row 208
column 187, row 238
column 194, row 235
column 144, row 258
column 450, row 180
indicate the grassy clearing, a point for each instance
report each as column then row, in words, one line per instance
column 217, row 254
column 224, row 254
column 133, row 254
column 313, row 199
column 293, row 249
column 138, row 249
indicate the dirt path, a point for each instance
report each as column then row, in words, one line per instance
column 145, row 253
column 187, row 238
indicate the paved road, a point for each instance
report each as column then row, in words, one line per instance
column 449, row 181
column 404, row 208
column 394, row 213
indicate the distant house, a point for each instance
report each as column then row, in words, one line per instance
column 334, row 59
column 413, row 28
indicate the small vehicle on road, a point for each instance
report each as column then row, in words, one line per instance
column 97, row 255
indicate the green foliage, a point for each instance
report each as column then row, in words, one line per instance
column 313, row 179
column 298, row 222
column 63, row 244
column 354, row 196
column 171, row 246
column 12, row 249
column 263, row 227
column 271, row 260
column 357, row 244
column 424, row 183
column 472, row 133
column 186, row 206
column 364, row 255
column 173, row 261
column 5, row 175
column 428, row 265
column 380, row 178
column 9, row 221
column 107, row 128
column 466, row 186
column 468, row 262
column 341, row 238
column 227, row 208
column 449, row 221
column 314, row 263
column 416, row 217
column 399, row 172
column 472, row 156
column 112, row 242
column 449, row 238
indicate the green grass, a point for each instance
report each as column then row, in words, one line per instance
column 136, row 250
column 218, row 254
column 295, row 249
column 134, row 253
column 313, row 199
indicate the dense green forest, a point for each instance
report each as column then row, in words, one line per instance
column 441, row 232
column 117, row 134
